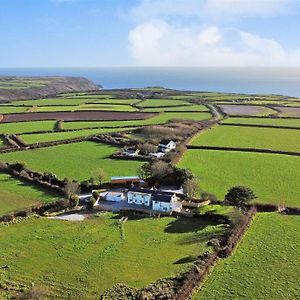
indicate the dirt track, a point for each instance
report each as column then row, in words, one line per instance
column 76, row 116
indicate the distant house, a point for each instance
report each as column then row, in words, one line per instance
column 166, row 145
column 114, row 196
column 132, row 152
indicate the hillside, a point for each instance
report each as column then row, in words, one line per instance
column 21, row 88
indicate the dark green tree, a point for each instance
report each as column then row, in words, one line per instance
column 239, row 195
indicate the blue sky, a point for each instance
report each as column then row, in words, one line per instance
column 94, row 33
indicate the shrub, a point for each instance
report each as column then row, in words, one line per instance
column 74, row 201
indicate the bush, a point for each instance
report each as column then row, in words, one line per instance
column 74, row 201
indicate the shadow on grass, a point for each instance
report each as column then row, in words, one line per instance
column 185, row 260
column 184, row 225
column 129, row 216
column 23, row 183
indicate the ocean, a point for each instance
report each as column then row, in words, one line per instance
column 283, row 81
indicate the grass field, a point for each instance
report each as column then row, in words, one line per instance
column 264, row 121
column 86, row 107
column 56, row 136
column 265, row 266
column 178, row 108
column 19, row 83
column 75, row 161
column 23, row 127
column 80, row 260
column 159, row 119
column 162, row 102
column 250, row 137
column 52, row 101
column 274, row 178
column 2, row 143
column 11, row 109
column 15, row 194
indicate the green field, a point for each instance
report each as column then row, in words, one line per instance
column 274, row 178
column 2, row 142
column 23, row 127
column 14, row 194
column 250, row 137
column 264, row 121
column 109, row 107
column 265, row 266
column 178, row 108
column 19, row 83
column 57, row 136
column 162, row 102
column 80, row 260
column 75, row 161
column 11, row 109
column 161, row 118
column 51, row 101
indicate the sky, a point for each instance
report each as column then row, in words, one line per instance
column 187, row 33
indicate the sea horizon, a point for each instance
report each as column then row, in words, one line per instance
column 275, row 80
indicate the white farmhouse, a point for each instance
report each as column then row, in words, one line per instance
column 166, row 145
column 164, row 202
column 139, row 196
column 155, row 200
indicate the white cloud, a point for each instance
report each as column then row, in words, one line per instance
column 247, row 7
column 156, row 9
column 158, row 43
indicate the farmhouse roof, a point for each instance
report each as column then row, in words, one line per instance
column 140, row 190
column 162, row 197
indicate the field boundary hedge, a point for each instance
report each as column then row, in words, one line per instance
column 275, row 117
column 237, row 149
column 259, row 126
column 39, row 209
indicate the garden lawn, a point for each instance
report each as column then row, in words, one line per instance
column 264, row 121
column 274, row 178
column 250, row 137
column 15, row 194
column 80, row 260
column 56, row 136
column 265, row 265
column 75, row 161
column 24, row 127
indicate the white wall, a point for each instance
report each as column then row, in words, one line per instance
column 139, row 198
column 114, row 197
column 162, row 206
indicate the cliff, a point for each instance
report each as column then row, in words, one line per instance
column 22, row 88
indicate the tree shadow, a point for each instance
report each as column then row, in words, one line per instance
column 185, row 224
